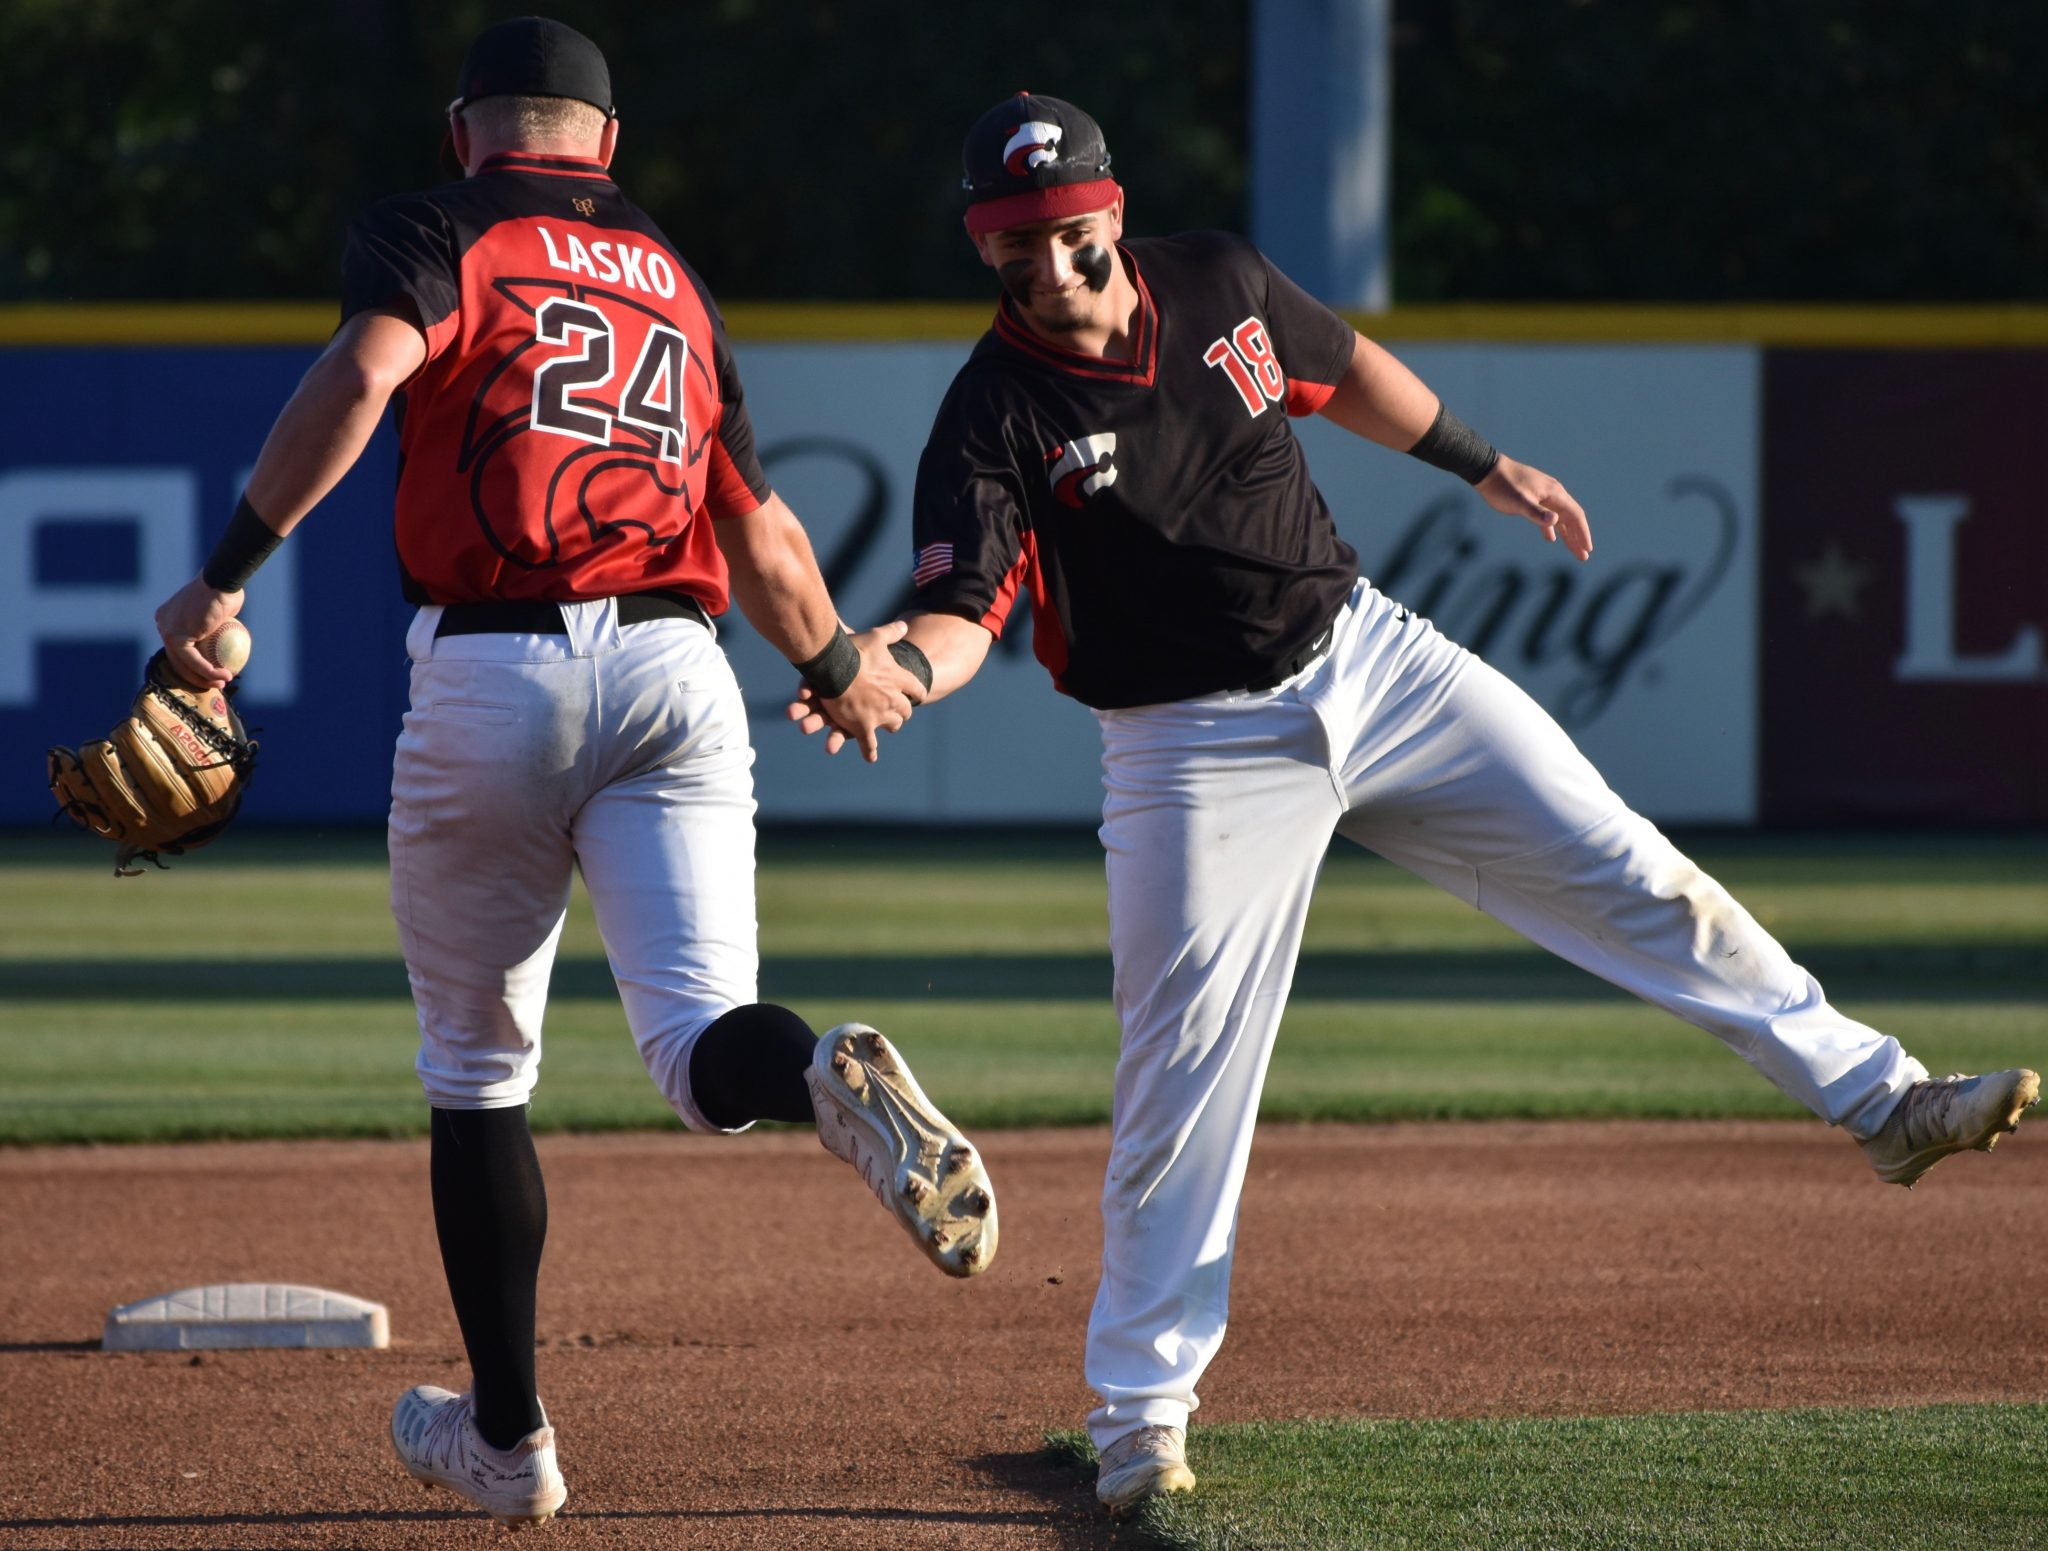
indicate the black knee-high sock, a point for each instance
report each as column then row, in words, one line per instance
column 491, row 1210
column 749, row 1065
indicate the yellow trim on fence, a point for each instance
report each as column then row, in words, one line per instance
column 310, row 323
column 168, row 323
column 2000, row 324
column 877, row 322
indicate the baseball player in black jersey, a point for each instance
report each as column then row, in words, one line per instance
column 1117, row 447
column 578, row 497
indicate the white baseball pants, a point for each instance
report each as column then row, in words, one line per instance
column 621, row 750
column 1216, row 818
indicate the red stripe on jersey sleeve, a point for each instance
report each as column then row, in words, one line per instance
column 998, row 613
column 1048, row 634
column 1305, row 398
column 439, row 334
column 726, row 491
column 1048, row 630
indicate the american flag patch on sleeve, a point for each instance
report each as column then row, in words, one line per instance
column 933, row 561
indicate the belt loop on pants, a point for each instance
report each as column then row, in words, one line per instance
column 537, row 616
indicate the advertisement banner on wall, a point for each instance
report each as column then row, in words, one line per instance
column 120, row 471
column 1905, row 588
column 1645, row 655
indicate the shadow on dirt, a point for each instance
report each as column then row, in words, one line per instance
column 1062, row 1475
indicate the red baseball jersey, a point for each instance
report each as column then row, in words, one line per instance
column 1158, row 512
column 579, row 413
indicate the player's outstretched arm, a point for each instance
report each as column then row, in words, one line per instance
column 1381, row 400
column 321, row 431
column 1522, row 491
column 775, row 580
column 955, row 647
column 951, row 648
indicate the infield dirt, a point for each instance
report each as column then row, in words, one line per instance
column 740, row 1349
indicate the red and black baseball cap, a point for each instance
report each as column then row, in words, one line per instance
column 531, row 56
column 1032, row 158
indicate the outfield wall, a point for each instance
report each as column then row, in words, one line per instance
column 1818, row 594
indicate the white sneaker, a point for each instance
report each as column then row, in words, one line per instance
column 1938, row 1116
column 872, row 1113
column 1143, row 1465
column 434, row 1432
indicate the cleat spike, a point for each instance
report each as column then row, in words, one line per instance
column 872, row 1114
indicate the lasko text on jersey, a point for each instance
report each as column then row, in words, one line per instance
column 621, row 263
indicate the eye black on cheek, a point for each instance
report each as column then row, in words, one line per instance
column 1093, row 263
column 1015, row 275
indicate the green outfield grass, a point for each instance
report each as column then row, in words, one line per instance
column 256, row 988
column 1926, row 1479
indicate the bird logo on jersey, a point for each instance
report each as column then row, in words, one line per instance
column 1082, row 467
column 1032, row 145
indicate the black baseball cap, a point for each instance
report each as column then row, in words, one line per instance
column 1032, row 158
column 532, row 56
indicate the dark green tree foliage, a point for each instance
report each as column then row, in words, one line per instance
column 792, row 148
column 1544, row 149
column 1716, row 150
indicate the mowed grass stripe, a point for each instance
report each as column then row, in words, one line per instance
column 1908, row 1479
column 285, row 895
column 169, row 1070
column 256, row 988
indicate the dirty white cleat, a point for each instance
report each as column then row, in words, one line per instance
column 1941, row 1115
column 434, row 1432
column 1143, row 1465
column 872, row 1113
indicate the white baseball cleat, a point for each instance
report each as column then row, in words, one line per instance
column 434, row 1432
column 1143, row 1465
column 872, row 1113
column 1941, row 1115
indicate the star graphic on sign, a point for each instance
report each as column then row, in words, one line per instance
column 1832, row 583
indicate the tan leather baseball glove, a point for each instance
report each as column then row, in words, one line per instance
column 168, row 778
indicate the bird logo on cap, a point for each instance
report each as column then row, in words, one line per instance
column 1032, row 145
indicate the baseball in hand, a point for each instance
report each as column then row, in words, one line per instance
column 227, row 647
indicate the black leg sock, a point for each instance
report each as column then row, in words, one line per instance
column 491, row 1210
column 749, row 1065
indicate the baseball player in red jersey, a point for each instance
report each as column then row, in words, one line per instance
column 578, row 498
column 1117, row 448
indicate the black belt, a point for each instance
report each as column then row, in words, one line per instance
column 1284, row 671
column 538, row 617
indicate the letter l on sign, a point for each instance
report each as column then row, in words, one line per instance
column 1930, row 654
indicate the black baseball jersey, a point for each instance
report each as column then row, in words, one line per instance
column 1159, row 510
column 579, row 414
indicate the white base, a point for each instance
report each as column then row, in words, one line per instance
column 245, row 1314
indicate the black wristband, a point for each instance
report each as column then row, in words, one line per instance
column 832, row 672
column 1454, row 447
column 245, row 546
column 912, row 661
